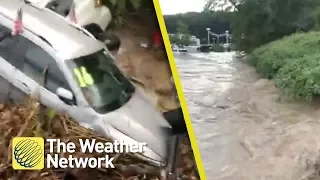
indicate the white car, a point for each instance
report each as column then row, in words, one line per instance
column 82, row 79
column 174, row 49
column 179, row 49
column 182, row 50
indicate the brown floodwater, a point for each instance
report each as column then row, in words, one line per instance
column 245, row 131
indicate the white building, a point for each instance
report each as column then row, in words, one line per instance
column 195, row 41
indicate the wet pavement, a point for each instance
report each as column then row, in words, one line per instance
column 245, row 131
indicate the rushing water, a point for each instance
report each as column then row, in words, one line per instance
column 244, row 129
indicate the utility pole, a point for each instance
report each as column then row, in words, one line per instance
column 227, row 37
column 208, row 29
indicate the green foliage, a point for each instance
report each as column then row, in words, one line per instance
column 316, row 16
column 185, row 40
column 260, row 21
column 120, row 7
column 226, row 5
column 301, row 77
column 264, row 21
column 182, row 28
column 294, row 63
column 269, row 58
column 182, row 38
column 174, row 39
column 197, row 23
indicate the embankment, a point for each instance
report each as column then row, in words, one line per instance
column 293, row 62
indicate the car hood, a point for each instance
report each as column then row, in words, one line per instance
column 139, row 120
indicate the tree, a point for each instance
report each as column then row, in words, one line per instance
column 224, row 5
column 182, row 28
column 185, row 35
column 184, row 40
column 197, row 23
column 174, row 39
column 262, row 21
column 316, row 16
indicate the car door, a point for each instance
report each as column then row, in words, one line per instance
column 8, row 68
column 30, row 74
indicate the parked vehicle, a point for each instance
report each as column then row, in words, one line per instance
column 82, row 80
column 90, row 14
column 179, row 49
column 174, row 48
column 182, row 50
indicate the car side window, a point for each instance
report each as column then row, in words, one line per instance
column 35, row 61
column 7, row 45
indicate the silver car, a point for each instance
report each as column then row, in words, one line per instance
column 83, row 80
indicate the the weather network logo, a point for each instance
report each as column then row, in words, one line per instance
column 28, row 153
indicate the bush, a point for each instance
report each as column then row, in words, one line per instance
column 301, row 77
column 294, row 63
column 268, row 59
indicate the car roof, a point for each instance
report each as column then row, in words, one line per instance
column 65, row 38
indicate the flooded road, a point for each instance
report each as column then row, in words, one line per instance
column 245, row 131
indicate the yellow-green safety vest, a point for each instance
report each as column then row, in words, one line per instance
column 83, row 76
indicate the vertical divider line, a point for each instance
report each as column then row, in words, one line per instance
column 178, row 85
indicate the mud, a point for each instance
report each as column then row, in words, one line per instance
column 245, row 129
column 148, row 66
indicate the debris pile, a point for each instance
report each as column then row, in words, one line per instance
column 23, row 120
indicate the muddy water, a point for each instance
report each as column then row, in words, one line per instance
column 245, row 131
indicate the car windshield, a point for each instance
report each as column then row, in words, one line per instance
column 101, row 81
